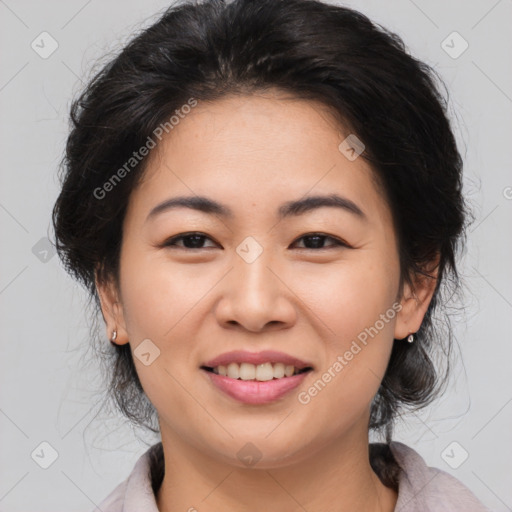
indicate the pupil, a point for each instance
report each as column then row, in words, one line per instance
column 315, row 245
column 196, row 241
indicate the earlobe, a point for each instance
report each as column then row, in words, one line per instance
column 112, row 312
column 415, row 301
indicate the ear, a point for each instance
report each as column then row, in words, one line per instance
column 415, row 300
column 111, row 308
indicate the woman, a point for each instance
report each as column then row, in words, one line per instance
column 264, row 199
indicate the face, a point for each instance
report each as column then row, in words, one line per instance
column 317, row 283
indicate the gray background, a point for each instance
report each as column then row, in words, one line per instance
column 46, row 377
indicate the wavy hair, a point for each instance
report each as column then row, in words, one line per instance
column 315, row 51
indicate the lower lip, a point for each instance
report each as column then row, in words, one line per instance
column 256, row 392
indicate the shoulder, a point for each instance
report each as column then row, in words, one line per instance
column 135, row 493
column 423, row 488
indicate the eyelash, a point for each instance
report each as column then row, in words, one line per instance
column 171, row 242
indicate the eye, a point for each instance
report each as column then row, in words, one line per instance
column 316, row 241
column 195, row 240
column 190, row 241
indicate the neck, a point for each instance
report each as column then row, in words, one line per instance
column 338, row 478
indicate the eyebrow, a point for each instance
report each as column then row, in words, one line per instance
column 288, row 209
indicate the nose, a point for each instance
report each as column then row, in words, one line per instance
column 255, row 297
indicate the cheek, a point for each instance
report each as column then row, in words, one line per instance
column 349, row 297
column 165, row 302
column 158, row 299
column 355, row 306
column 157, row 294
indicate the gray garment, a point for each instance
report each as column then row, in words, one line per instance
column 420, row 488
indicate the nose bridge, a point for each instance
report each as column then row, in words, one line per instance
column 255, row 296
column 252, row 275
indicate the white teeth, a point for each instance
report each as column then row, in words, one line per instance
column 279, row 370
column 233, row 370
column 247, row 371
column 261, row 372
column 264, row 372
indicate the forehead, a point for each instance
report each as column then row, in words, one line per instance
column 259, row 148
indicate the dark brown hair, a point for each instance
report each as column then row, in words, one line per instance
column 312, row 50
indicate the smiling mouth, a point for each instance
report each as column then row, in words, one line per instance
column 261, row 372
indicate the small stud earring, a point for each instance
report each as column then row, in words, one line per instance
column 410, row 338
column 114, row 336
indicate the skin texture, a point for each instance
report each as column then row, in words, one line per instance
column 253, row 153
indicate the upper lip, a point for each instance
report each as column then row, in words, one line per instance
column 265, row 356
